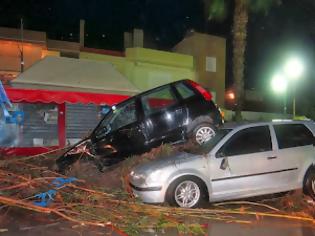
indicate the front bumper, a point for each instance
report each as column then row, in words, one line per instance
column 150, row 194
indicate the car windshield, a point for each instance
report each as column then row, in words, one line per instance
column 119, row 116
column 207, row 146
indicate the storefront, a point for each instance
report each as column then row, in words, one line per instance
column 51, row 116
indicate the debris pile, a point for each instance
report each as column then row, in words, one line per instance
column 88, row 197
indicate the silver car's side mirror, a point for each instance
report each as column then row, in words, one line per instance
column 224, row 163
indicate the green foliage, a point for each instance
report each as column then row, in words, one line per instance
column 166, row 150
column 262, row 5
column 134, row 229
column 218, row 9
column 182, row 229
column 161, row 223
column 194, row 229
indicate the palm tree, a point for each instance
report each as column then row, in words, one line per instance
column 217, row 10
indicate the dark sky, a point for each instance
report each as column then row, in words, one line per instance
column 288, row 28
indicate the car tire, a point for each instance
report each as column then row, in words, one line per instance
column 198, row 127
column 309, row 183
column 202, row 133
column 195, row 189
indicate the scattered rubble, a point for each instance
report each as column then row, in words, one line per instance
column 96, row 199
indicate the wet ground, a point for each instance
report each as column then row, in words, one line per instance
column 262, row 227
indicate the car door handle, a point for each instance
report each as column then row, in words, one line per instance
column 271, row 157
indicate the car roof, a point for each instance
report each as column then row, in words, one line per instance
column 244, row 124
column 150, row 90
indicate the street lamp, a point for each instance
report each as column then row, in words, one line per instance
column 279, row 85
column 293, row 70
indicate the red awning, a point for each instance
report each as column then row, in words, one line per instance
column 59, row 97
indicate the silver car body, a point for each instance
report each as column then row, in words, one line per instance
column 247, row 175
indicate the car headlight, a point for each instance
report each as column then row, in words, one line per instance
column 137, row 178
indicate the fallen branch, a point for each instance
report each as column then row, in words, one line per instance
column 246, row 203
column 85, row 205
column 39, row 226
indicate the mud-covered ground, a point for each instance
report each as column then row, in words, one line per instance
column 17, row 221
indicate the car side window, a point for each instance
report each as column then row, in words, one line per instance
column 184, row 91
column 123, row 115
column 246, row 141
column 293, row 135
column 158, row 99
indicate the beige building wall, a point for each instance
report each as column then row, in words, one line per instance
column 147, row 68
column 10, row 55
column 209, row 54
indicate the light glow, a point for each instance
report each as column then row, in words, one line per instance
column 294, row 68
column 279, row 83
column 231, row 96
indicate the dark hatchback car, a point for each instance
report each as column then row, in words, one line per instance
column 170, row 113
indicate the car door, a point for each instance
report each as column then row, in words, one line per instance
column 162, row 115
column 294, row 149
column 124, row 134
column 244, row 165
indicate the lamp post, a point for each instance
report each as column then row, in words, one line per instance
column 279, row 85
column 293, row 70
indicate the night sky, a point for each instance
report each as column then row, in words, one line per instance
column 285, row 29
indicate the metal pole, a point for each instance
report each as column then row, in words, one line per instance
column 285, row 103
column 22, row 50
column 293, row 109
column 293, row 106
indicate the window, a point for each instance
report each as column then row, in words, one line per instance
column 293, row 135
column 158, row 99
column 246, row 141
column 38, row 126
column 122, row 115
column 184, row 91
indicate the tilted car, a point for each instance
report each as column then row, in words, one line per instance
column 172, row 113
column 241, row 161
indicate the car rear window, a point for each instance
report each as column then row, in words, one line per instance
column 293, row 135
column 157, row 100
column 184, row 91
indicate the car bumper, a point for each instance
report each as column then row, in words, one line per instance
column 149, row 195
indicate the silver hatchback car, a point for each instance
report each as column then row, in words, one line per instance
column 242, row 160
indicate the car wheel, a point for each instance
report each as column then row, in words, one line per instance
column 187, row 192
column 203, row 133
column 309, row 184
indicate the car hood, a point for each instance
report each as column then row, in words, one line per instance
column 177, row 160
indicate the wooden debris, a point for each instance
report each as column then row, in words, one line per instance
column 86, row 204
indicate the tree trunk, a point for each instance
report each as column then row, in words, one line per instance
column 239, row 45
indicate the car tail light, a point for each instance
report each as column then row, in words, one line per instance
column 206, row 95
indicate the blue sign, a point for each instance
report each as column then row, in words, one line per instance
column 3, row 96
column 4, row 101
column 15, row 117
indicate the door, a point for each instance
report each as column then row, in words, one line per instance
column 123, row 132
column 295, row 146
column 163, row 117
column 250, row 166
